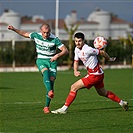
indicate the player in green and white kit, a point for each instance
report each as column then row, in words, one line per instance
column 46, row 44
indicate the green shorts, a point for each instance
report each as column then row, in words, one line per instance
column 46, row 63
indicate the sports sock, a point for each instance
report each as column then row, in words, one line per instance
column 47, row 83
column 46, row 80
column 52, row 85
column 121, row 102
column 64, row 107
column 70, row 98
column 47, row 100
column 113, row 97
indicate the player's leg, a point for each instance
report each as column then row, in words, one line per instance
column 108, row 94
column 53, row 72
column 70, row 98
column 73, row 92
column 46, row 79
column 43, row 67
column 49, row 79
column 113, row 97
column 49, row 92
column 102, row 92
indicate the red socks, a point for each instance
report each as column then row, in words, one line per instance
column 113, row 97
column 70, row 98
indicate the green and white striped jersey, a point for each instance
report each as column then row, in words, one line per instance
column 45, row 48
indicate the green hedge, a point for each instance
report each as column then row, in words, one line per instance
column 25, row 55
column 6, row 54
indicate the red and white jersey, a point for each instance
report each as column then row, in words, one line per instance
column 88, row 56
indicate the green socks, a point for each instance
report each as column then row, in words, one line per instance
column 46, row 80
column 47, row 83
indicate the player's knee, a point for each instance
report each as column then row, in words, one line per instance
column 52, row 78
column 73, row 88
column 102, row 94
column 43, row 70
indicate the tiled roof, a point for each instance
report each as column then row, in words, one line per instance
column 25, row 20
column 86, row 22
column 29, row 21
column 118, row 20
column 51, row 22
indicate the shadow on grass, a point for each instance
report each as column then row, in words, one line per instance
column 99, row 109
column 6, row 88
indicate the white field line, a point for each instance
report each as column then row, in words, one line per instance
column 19, row 103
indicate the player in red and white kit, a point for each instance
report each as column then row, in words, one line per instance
column 94, row 77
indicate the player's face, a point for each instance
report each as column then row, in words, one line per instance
column 79, row 42
column 45, row 31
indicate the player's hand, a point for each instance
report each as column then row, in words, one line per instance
column 54, row 58
column 10, row 27
column 77, row 73
column 112, row 59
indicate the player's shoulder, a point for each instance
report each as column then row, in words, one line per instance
column 86, row 46
column 37, row 35
column 52, row 36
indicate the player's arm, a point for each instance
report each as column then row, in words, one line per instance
column 75, row 67
column 20, row 32
column 63, row 50
column 106, row 56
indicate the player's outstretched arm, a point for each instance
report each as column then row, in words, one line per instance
column 75, row 67
column 106, row 56
column 20, row 32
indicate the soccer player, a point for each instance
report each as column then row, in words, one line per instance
column 94, row 77
column 46, row 44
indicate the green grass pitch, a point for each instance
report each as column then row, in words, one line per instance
column 22, row 98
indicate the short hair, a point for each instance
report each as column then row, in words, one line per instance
column 45, row 24
column 79, row 35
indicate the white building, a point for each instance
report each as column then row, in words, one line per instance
column 9, row 17
column 99, row 22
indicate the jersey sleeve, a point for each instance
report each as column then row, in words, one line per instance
column 76, row 58
column 58, row 43
column 94, row 51
column 32, row 35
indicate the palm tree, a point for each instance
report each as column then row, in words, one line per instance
column 70, row 32
column 128, row 41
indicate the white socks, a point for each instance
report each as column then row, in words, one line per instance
column 64, row 108
column 121, row 102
